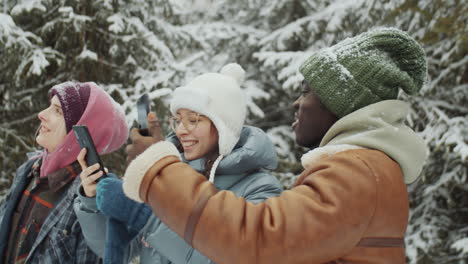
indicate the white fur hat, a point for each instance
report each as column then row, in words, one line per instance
column 219, row 97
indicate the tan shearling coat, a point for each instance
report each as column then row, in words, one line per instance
column 350, row 205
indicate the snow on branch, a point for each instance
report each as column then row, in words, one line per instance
column 28, row 6
column 286, row 64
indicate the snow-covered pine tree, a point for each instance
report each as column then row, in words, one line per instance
column 127, row 47
column 136, row 46
column 23, row 58
column 226, row 32
column 437, row 232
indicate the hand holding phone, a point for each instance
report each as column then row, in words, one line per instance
column 85, row 141
column 143, row 108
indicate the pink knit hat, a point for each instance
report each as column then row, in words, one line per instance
column 103, row 116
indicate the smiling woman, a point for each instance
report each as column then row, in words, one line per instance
column 38, row 224
column 220, row 102
column 208, row 115
column 197, row 135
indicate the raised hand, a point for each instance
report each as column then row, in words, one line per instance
column 87, row 175
column 141, row 143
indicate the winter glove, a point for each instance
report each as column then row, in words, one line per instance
column 113, row 203
column 117, row 239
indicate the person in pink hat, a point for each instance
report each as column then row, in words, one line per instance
column 38, row 223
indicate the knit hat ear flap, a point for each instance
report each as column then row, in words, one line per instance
column 366, row 69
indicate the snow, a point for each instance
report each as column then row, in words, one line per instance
column 6, row 24
column 282, row 36
column 154, row 48
column 107, row 4
column 117, row 23
column 290, row 61
column 151, row 38
column 254, row 93
column 130, row 60
column 331, row 15
column 223, row 31
column 330, row 55
column 194, row 5
column 337, row 11
column 283, row 147
column 39, row 63
column 27, row 6
column 87, row 54
column 461, row 245
column 60, row 88
column 114, row 49
column 66, row 10
column 36, row 62
column 160, row 93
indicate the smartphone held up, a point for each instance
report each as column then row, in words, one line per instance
column 143, row 108
column 84, row 139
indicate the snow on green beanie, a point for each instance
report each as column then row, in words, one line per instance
column 366, row 69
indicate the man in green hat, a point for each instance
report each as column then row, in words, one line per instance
column 350, row 205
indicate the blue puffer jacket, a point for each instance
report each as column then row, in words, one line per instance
column 244, row 172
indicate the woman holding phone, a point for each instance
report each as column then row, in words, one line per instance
column 38, row 224
column 208, row 117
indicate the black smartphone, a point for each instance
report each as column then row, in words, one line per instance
column 143, row 108
column 85, row 141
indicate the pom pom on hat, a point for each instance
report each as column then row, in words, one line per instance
column 235, row 71
column 366, row 69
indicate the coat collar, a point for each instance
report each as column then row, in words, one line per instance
column 381, row 126
column 314, row 155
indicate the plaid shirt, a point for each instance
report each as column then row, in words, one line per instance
column 60, row 239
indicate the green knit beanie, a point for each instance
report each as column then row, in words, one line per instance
column 366, row 69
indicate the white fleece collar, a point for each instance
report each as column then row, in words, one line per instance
column 381, row 126
column 314, row 155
